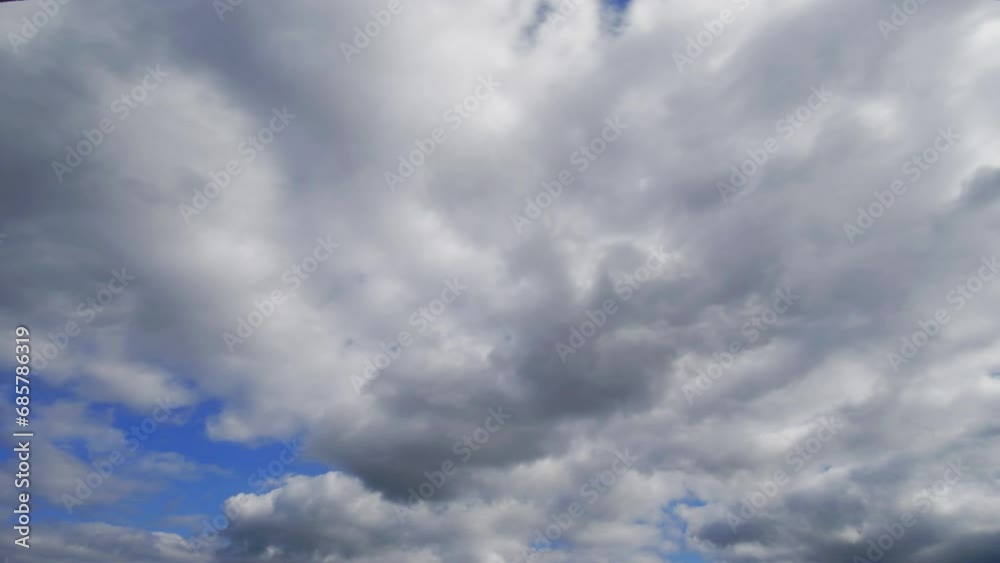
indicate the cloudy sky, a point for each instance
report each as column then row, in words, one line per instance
column 504, row 281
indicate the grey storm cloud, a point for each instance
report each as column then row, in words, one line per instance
column 221, row 75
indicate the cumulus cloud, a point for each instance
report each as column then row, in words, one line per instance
column 798, row 150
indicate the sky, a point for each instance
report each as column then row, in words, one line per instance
column 502, row 281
